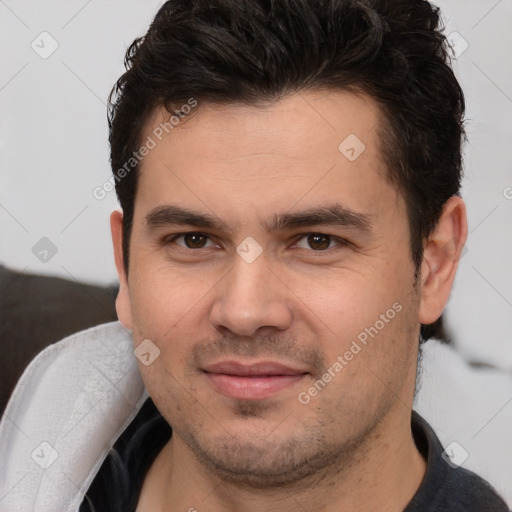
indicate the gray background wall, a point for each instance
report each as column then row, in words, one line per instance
column 54, row 152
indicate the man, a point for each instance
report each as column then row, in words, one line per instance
column 288, row 173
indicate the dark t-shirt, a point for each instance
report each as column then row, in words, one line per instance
column 118, row 484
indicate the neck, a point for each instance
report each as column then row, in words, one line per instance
column 383, row 473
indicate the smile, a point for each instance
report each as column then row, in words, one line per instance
column 254, row 381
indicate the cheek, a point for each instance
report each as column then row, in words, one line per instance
column 371, row 363
column 344, row 302
column 166, row 314
column 369, row 323
column 172, row 310
column 161, row 298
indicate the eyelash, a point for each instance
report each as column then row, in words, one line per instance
column 340, row 241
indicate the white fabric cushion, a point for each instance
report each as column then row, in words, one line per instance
column 76, row 397
column 472, row 407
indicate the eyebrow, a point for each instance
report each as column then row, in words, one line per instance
column 176, row 215
column 333, row 215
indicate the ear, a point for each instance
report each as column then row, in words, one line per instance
column 123, row 304
column 441, row 256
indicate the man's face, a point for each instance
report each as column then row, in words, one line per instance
column 302, row 274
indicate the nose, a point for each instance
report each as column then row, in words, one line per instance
column 251, row 297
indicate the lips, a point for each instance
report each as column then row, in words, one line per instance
column 254, row 381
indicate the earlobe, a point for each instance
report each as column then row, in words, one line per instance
column 441, row 256
column 123, row 304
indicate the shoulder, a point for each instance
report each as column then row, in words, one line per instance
column 460, row 490
column 446, row 485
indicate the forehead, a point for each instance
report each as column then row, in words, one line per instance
column 304, row 118
column 306, row 147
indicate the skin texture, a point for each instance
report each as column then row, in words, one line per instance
column 299, row 303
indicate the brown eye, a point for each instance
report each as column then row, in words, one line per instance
column 319, row 242
column 195, row 240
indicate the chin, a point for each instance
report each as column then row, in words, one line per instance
column 269, row 461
